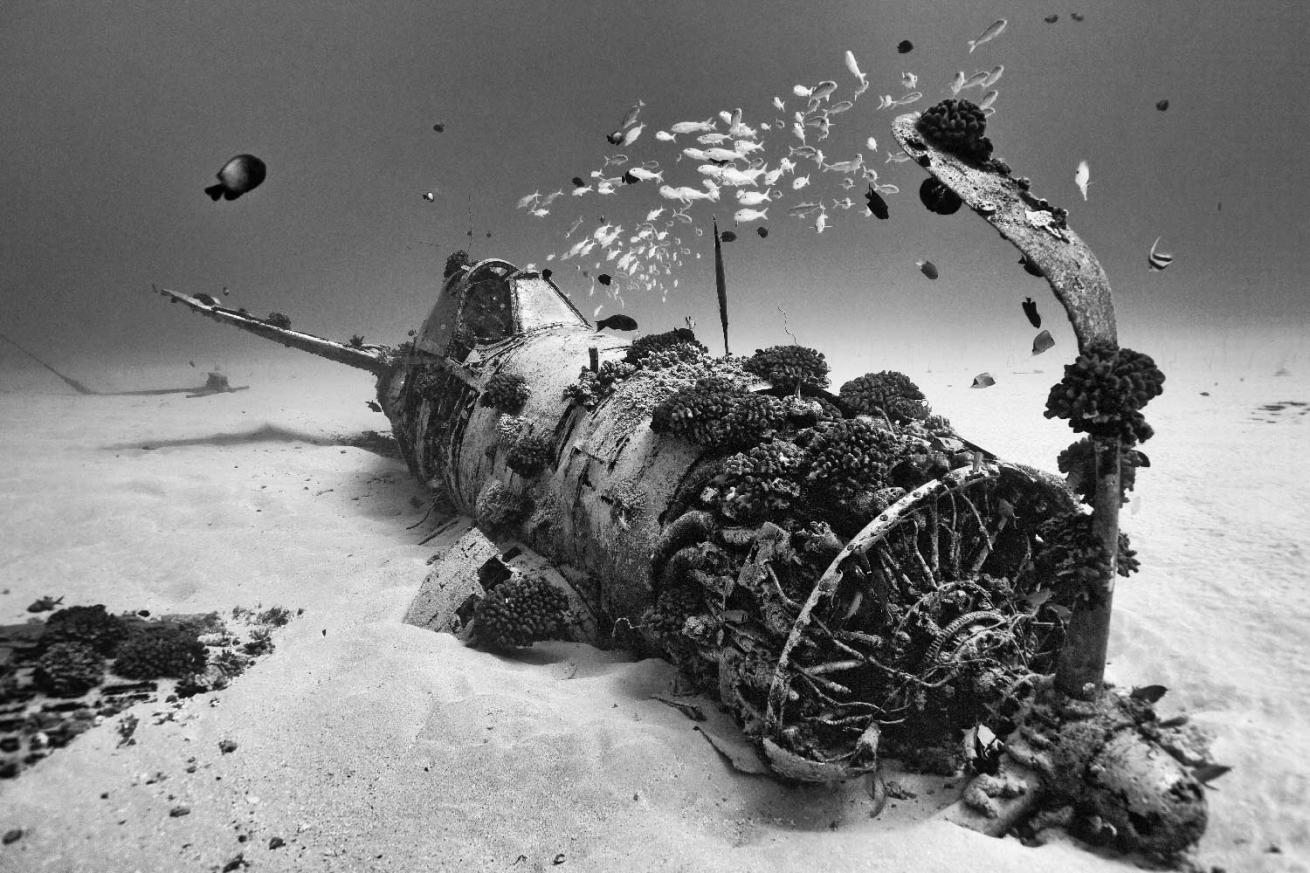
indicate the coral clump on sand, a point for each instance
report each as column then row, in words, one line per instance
column 92, row 625
column 69, row 669
column 1103, row 391
column 718, row 413
column 530, row 455
column 157, row 651
column 887, row 392
column 506, row 392
column 679, row 344
column 519, row 612
column 850, row 456
column 790, row 368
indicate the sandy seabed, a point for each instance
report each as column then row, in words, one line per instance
column 367, row 744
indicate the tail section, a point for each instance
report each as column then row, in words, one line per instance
column 214, row 192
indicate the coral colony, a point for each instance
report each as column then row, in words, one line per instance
column 850, row 577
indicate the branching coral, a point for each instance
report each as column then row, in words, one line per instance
column 530, row 455
column 68, row 669
column 1103, row 391
column 156, row 651
column 790, row 368
column 762, row 480
column 592, row 388
column 1079, row 463
column 957, row 126
column 850, row 456
column 518, row 613
column 457, row 260
column 718, row 413
column 680, row 342
column 887, row 391
column 506, row 392
column 1072, row 558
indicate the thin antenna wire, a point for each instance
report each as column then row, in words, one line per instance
column 785, row 328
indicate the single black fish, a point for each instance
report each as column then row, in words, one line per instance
column 1162, row 105
column 877, row 206
column 1051, row 19
column 763, row 232
column 928, row 268
column 578, row 182
column 604, row 278
column 239, row 175
column 547, row 273
column 206, row 299
column 728, row 236
column 1030, row 310
column 938, row 198
column 1042, row 342
column 1149, row 693
column 1030, row 268
column 1075, row 16
column 905, row 47
column 439, row 127
column 618, row 321
column 983, row 380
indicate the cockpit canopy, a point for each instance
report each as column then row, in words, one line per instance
column 490, row 301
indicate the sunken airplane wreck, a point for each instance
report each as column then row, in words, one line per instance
column 846, row 574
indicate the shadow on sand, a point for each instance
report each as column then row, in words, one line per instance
column 383, row 445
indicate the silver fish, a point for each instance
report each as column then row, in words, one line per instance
column 993, row 30
column 741, row 216
column 994, row 76
column 1158, row 260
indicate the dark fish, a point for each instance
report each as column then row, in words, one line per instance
column 938, row 198
column 1042, row 342
column 372, row 404
column 1207, row 773
column 429, row 196
column 1075, row 16
column 206, row 299
column 547, row 273
column 983, row 380
column 618, row 321
column 877, row 206
column 1031, row 269
column 226, row 291
column 728, row 236
column 1051, row 19
column 928, row 268
column 1162, row 105
column 578, row 182
column 763, row 232
column 905, row 47
column 1158, row 260
column 1149, row 693
column 604, row 278
column 1030, row 310
column 439, row 127
column 239, row 175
